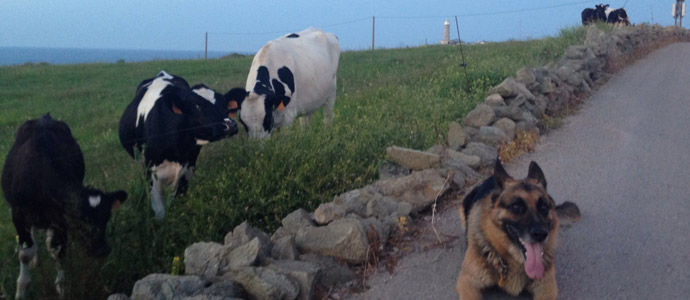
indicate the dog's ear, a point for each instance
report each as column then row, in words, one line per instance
column 500, row 174
column 536, row 174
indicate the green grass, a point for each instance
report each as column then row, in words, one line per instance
column 403, row 97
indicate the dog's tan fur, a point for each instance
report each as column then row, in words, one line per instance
column 491, row 257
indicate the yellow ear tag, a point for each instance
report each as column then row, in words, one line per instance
column 176, row 109
column 502, row 281
column 116, row 204
column 281, row 107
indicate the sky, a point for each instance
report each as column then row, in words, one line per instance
column 243, row 26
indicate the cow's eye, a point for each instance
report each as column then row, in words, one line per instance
column 198, row 108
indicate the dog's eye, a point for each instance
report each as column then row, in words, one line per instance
column 543, row 207
column 518, row 206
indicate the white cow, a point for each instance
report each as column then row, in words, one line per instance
column 291, row 76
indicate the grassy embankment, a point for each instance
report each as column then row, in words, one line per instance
column 402, row 97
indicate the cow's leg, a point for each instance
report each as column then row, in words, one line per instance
column 55, row 243
column 156, row 196
column 328, row 109
column 27, row 253
column 186, row 175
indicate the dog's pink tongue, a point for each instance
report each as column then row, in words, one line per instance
column 533, row 264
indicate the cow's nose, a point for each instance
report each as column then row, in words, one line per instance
column 230, row 126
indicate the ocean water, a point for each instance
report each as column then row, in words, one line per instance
column 22, row 55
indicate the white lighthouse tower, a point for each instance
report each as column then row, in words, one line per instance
column 446, row 33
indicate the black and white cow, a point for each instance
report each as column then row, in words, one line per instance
column 42, row 181
column 171, row 121
column 291, row 76
column 598, row 14
column 617, row 17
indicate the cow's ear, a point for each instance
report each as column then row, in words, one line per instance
column 234, row 99
column 117, row 198
column 279, row 102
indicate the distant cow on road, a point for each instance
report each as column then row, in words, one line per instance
column 291, row 76
column 598, row 14
column 618, row 17
column 170, row 122
column 42, row 181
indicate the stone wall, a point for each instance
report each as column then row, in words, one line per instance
column 314, row 250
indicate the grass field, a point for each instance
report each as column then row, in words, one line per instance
column 402, row 97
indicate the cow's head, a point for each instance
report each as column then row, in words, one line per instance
column 206, row 121
column 258, row 113
column 95, row 208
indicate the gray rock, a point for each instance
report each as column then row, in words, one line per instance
column 419, row 189
column 480, row 116
column 382, row 230
column 507, row 126
column 249, row 254
column 392, row 170
column 354, row 201
column 462, row 172
column 457, row 138
column 244, row 233
column 528, row 122
column 494, row 100
column 413, row 159
column 491, row 136
column 205, row 258
column 577, row 52
column 265, row 284
column 381, row 207
column 471, row 133
column 486, row 153
column 305, row 274
column 526, row 76
column 285, row 248
column 296, row 220
column 327, row 212
column 118, row 297
column 435, row 149
column 332, row 274
column 343, row 238
column 510, row 88
column 472, row 161
column 170, row 287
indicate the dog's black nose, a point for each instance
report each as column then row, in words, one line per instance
column 538, row 233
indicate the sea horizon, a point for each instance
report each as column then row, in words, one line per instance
column 62, row 56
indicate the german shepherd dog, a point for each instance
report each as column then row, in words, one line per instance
column 511, row 228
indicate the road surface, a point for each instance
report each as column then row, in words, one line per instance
column 625, row 160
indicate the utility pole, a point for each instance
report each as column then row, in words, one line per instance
column 678, row 12
column 373, row 27
column 462, row 53
column 206, row 47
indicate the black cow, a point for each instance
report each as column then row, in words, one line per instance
column 598, row 14
column 42, row 181
column 618, row 17
column 171, row 121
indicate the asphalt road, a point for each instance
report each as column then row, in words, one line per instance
column 625, row 160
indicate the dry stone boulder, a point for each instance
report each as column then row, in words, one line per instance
column 457, row 138
column 170, row 287
column 244, row 233
column 285, row 248
column 343, row 239
column 511, row 88
column 332, row 273
column 526, row 76
column 413, row 159
column 205, row 259
column 494, row 100
column 265, row 284
column 491, row 136
column 118, row 297
column 472, row 161
column 392, row 170
column 246, row 255
column 419, row 189
column 507, row 126
column 462, row 173
column 327, row 212
column 528, row 122
column 305, row 274
column 480, row 116
column 486, row 153
column 296, row 220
